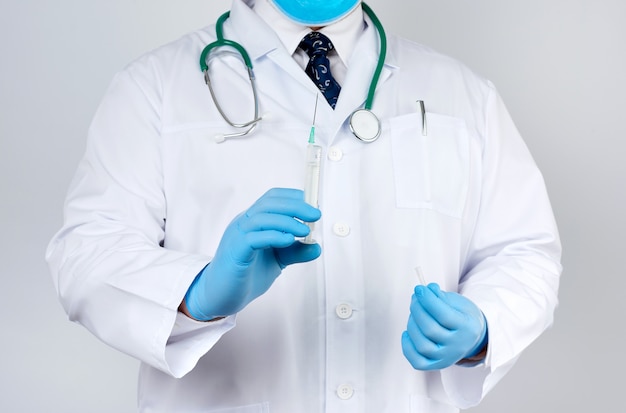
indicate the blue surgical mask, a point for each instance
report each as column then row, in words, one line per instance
column 316, row 12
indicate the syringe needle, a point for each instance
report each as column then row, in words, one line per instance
column 312, row 133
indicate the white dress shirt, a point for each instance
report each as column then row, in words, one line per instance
column 344, row 35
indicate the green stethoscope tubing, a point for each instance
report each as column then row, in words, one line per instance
column 221, row 42
column 381, row 57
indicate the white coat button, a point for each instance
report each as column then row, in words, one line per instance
column 344, row 311
column 335, row 153
column 341, row 229
column 345, row 391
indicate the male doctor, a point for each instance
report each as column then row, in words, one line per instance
column 186, row 253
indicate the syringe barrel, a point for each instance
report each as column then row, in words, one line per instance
column 312, row 183
column 312, row 179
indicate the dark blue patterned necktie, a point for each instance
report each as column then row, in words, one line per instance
column 317, row 46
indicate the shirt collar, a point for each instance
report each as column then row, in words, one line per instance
column 344, row 34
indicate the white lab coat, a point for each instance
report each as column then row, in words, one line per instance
column 154, row 193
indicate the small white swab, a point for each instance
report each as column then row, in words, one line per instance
column 420, row 275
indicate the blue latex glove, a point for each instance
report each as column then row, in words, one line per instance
column 253, row 251
column 443, row 329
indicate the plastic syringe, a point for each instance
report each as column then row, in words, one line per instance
column 312, row 175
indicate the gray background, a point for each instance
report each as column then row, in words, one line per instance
column 560, row 66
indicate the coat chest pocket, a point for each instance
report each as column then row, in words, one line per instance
column 430, row 171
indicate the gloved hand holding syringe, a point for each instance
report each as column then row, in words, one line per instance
column 312, row 175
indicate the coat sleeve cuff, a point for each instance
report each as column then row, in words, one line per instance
column 190, row 340
column 468, row 383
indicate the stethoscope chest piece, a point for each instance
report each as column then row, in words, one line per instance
column 365, row 125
